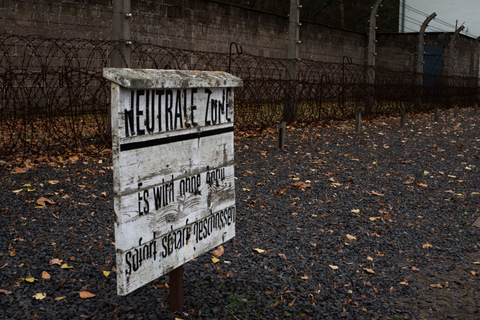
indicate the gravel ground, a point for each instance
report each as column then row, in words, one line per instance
column 371, row 226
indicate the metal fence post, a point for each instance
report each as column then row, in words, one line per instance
column 121, row 22
column 370, row 101
column 290, row 107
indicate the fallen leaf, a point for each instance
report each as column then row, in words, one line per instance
column 53, row 181
column 43, row 200
column 333, row 267
column 245, row 189
column 415, row 269
column 355, row 210
column 404, row 282
column 373, row 218
column 350, row 237
column 55, row 261
column 304, row 277
column 436, row 286
column 259, row 250
column 301, row 185
column 59, row 298
column 17, row 191
column 377, row 194
column 422, row 185
column 369, row 270
column 282, row 256
column 218, row 252
column 106, row 273
column 40, row 296
column 45, row 275
column 19, row 170
column 473, row 273
column 215, row 260
column 5, row 291
column 427, row 245
column 30, row 279
column 66, row 266
column 86, row 294
column 291, row 303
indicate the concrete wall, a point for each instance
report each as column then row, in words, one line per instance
column 211, row 26
column 397, row 51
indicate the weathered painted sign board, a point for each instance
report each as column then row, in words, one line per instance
column 173, row 168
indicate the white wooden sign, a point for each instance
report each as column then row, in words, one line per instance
column 173, row 168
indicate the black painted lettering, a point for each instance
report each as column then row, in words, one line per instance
column 168, row 110
column 128, row 256
column 159, row 93
column 192, row 106
column 129, row 121
column 227, row 106
column 140, row 212
column 209, row 92
column 139, row 112
column 149, row 112
column 146, row 207
column 164, row 245
column 178, row 110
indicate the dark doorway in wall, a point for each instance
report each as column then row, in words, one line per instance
column 432, row 72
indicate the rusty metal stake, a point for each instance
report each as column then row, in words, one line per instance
column 402, row 118
column 176, row 289
column 281, row 135
column 358, row 122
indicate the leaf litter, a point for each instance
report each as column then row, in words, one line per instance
column 355, row 246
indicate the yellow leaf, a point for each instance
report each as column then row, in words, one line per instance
column 53, row 181
column 215, row 260
column 45, row 275
column 178, row 319
column 27, row 185
column 59, row 298
column 106, row 273
column 259, row 250
column 30, row 279
column 427, row 245
column 66, row 266
column 333, row 267
column 40, row 296
column 426, row 172
column 17, row 191
column 476, row 262
column 436, row 286
column 304, row 277
column 245, row 189
column 60, row 159
column 355, row 210
column 86, row 294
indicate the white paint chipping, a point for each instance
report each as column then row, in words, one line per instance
column 173, row 169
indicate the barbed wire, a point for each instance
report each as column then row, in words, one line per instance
column 54, row 99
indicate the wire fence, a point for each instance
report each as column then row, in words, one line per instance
column 54, row 98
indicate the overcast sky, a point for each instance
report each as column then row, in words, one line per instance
column 448, row 11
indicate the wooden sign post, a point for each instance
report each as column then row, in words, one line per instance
column 173, row 160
